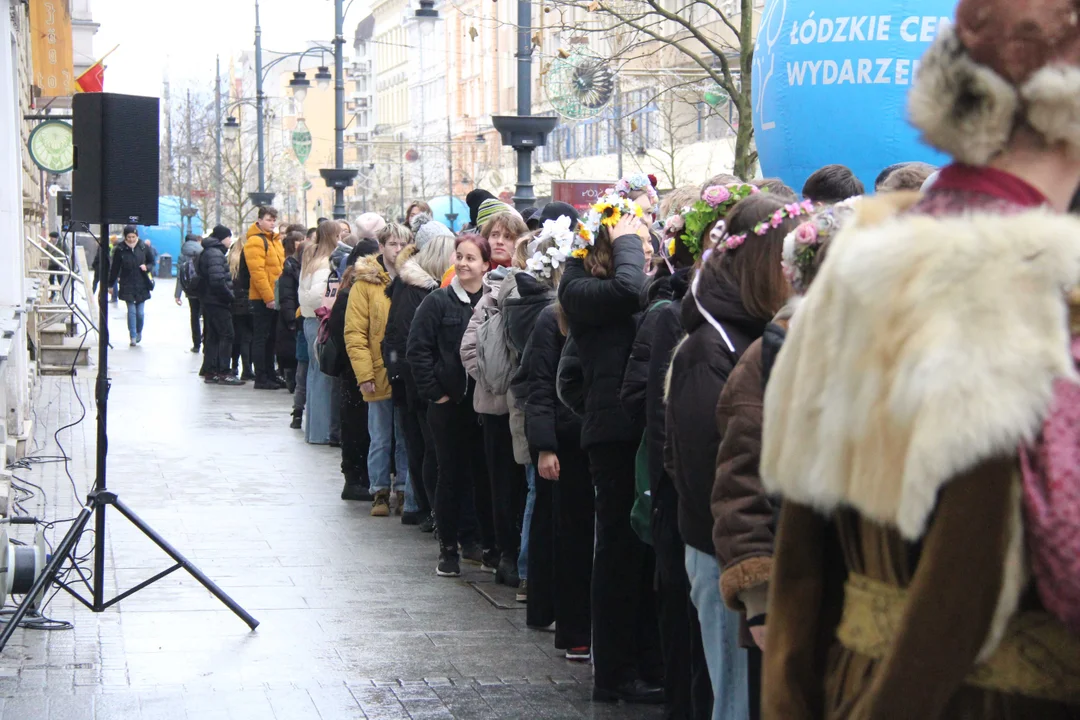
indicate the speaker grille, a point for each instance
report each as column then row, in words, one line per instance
column 116, row 159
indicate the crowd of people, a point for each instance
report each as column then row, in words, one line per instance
column 751, row 452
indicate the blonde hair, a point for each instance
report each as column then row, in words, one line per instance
column 521, row 250
column 326, row 239
column 437, row 256
column 236, row 251
column 394, row 231
column 677, row 199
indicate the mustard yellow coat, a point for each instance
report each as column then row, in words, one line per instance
column 365, row 326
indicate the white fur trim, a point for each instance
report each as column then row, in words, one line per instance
column 1052, row 96
column 411, row 273
column 962, row 108
column 924, row 347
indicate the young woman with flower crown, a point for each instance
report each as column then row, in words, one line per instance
column 560, row 537
column 686, row 237
column 744, row 515
column 600, row 295
column 737, row 291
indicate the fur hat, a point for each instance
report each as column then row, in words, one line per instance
column 1002, row 64
column 369, row 224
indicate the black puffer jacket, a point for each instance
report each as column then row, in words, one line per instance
column 406, row 292
column 124, row 266
column 657, row 295
column 288, row 292
column 698, row 371
column 215, row 283
column 522, row 309
column 602, row 322
column 434, row 347
column 643, row 388
column 547, row 420
column 570, row 381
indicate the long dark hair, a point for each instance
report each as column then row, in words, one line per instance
column 600, row 262
column 755, row 266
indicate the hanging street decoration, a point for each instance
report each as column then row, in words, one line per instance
column 301, row 141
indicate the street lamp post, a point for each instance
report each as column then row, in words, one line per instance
column 339, row 177
column 264, row 197
column 217, row 109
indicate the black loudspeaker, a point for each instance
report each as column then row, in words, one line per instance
column 115, row 178
column 63, row 209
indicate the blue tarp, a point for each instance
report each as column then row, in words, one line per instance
column 168, row 235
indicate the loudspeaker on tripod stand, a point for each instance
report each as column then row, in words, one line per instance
column 115, row 177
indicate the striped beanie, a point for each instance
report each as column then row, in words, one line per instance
column 489, row 209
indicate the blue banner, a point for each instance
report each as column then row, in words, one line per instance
column 830, row 84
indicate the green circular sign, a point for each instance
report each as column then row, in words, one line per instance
column 52, row 146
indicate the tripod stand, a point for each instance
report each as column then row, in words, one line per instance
column 101, row 498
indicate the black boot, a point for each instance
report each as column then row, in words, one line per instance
column 355, row 489
column 297, row 419
column 506, row 573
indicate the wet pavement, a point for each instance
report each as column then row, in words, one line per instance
column 355, row 624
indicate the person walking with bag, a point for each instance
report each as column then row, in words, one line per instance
column 189, row 253
column 315, row 292
column 131, row 264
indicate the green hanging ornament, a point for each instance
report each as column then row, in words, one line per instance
column 301, row 141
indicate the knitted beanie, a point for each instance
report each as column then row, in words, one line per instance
column 369, row 224
column 489, row 209
column 425, row 230
column 220, row 232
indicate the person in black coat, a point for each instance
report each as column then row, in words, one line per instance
column 131, row 264
column 433, row 352
column 731, row 300
column 688, row 687
column 288, row 302
column 600, row 295
column 554, row 435
column 243, row 323
column 419, row 267
column 215, row 296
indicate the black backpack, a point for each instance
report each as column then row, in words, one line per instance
column 188, row 275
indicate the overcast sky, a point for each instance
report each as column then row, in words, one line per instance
column 182, row 38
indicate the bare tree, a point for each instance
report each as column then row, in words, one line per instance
column 717, row 42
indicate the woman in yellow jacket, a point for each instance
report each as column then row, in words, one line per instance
column 365, row 327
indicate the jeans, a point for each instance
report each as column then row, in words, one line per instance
column 262, row 344
column 727, row 662
column 387, row 433
column 219, row 339
column 317, row 427
column 195, row 307
column 526, row 522
column 135, row 313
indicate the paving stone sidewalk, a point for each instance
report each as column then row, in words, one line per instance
column 355, row 624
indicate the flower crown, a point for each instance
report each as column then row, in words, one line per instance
column 802, row 245
column 637, row 181
column 608, row 211
column 715, row 203
column 542, row 264
column 791, row 210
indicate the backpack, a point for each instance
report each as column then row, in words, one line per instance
column 328, row 353
column 641, row 512
column 188, row 275
column 495, row 359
